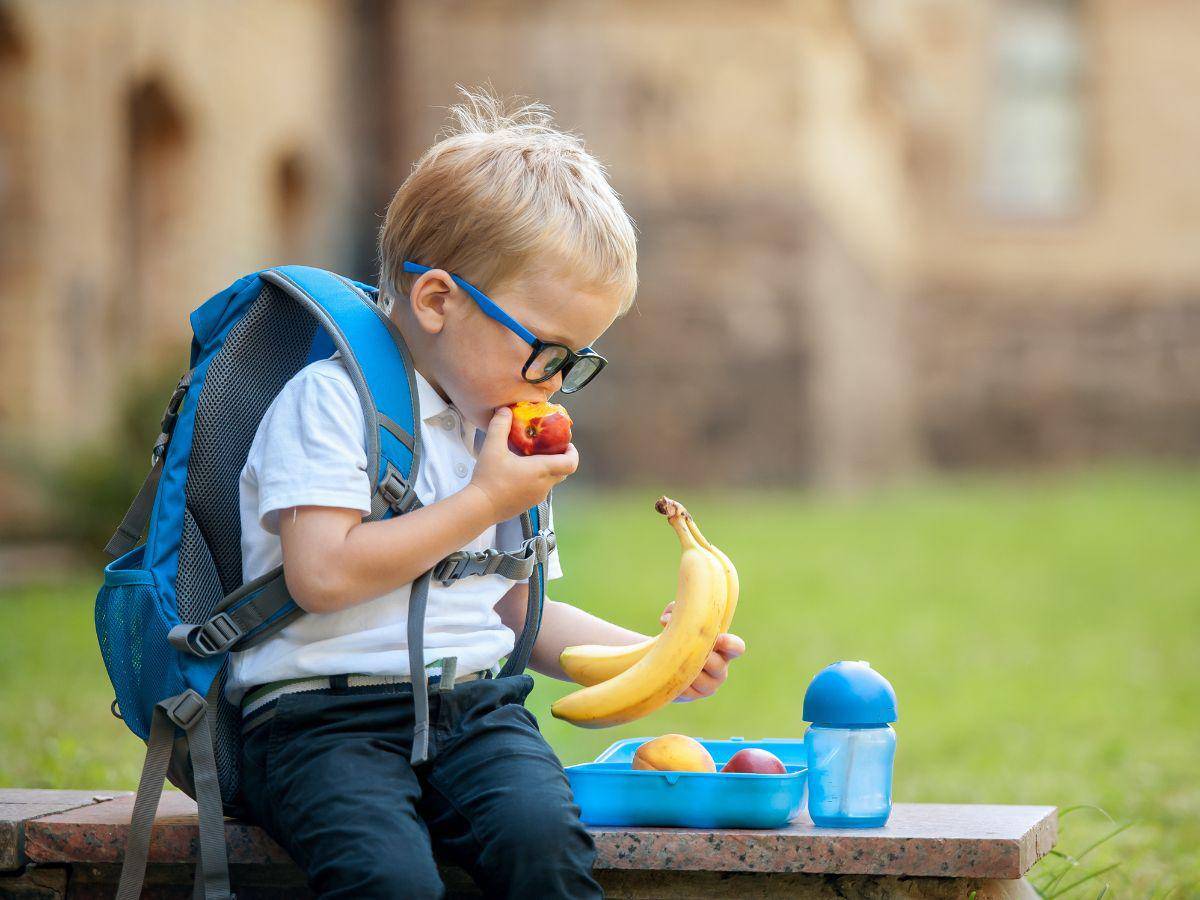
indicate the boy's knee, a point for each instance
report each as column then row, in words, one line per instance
column 362, row 875
column 550, row 861
column 551, row 839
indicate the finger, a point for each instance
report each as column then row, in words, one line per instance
column 563, row 464
column 716, row 665
column 730, row 646
column 687, row 696
column 705, row 685
column 666, row 614
column 497, row 432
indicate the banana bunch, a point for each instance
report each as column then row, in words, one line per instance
column 624, row 683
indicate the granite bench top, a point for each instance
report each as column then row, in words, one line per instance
column 939, row 840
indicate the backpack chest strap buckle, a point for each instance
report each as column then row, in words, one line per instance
column 397, row 493
column 516, row 566
column 462, row 564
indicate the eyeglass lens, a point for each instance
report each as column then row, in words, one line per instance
column 548, row 361
column 581, row 373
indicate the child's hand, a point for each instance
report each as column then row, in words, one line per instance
column 515, row 483
column 728, row 648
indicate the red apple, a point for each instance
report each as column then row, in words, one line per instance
column 759, row 762
column 539, row 428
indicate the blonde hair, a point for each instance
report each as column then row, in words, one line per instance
column 502, row 191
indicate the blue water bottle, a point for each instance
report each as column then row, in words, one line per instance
column 850, row 745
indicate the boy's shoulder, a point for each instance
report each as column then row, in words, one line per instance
column 331, row 368
column 321, row 394
column 316, row 416
column 316, row 381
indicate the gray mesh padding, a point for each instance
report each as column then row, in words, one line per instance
column 195, row 587
column 226, row 720
column 266, row 348
column 197, row 583
column 261, row 353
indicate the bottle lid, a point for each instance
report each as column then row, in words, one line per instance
column 849, row 693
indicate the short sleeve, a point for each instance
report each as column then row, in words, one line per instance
column 310, row 448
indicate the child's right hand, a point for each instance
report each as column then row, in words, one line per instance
column 515, row 483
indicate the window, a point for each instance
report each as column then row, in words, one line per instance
column 1033, row 155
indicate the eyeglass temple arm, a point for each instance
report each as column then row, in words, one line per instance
column 489, row 308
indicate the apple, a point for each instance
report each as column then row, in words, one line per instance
column 756, row 761
column 673, row 753
column 539, row 428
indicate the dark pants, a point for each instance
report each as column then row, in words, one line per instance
column 328, row 777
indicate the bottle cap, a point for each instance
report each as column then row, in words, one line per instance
column 849, row 693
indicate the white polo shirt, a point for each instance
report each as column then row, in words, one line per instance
column 310, row 450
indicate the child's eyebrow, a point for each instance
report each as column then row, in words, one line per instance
column 547, row 335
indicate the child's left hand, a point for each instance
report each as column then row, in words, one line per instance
column 728, row 648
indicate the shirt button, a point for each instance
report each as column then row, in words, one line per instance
column 461, row 470
column 448, row 422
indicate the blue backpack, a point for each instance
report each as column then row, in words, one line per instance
column 173, row 607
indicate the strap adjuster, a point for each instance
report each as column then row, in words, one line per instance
column 540, row 545
column 218, row 634
column 170, row 415
column 451, row 568
column 207, row 639
column 397, row 493
column 160, row 449
column 172, row 411
column 186, row 709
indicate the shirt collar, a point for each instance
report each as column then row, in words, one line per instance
column 431, row 403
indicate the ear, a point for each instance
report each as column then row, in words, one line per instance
column 432, row 298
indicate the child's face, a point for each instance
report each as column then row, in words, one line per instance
column 477, row 362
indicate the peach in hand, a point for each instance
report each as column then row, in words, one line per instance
column 539, row 428
column 756, row 761
column 674, row 753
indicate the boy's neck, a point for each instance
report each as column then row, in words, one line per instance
column 417, row 352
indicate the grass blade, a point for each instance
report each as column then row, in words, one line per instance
column 1084, row 880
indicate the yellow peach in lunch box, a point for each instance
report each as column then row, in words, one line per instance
column 673, row 753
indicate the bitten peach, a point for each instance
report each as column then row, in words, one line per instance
column 674, row 753
column 755, row 760
column 539, row 428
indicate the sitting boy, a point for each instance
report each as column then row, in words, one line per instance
column 521, row 211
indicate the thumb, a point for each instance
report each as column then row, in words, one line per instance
column 497, row 433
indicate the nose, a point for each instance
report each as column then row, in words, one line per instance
column 552, row 385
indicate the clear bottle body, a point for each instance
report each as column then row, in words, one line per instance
column 850, row 775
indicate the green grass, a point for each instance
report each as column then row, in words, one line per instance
column 1040, row 633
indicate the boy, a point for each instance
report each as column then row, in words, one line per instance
column 520, row 211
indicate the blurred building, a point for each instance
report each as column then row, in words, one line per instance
column 873, row 235
column 1055, row 213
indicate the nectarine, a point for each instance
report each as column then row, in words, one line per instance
column 538, row 428
column 755, row 760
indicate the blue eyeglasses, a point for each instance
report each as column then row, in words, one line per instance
column 578, row 367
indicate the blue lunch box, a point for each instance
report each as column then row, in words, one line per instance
column 610, row 792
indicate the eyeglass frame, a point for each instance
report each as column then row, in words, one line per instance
column 493, row 311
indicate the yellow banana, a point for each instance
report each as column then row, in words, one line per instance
column 677, row 655
column 589, row 664
column 732, row 584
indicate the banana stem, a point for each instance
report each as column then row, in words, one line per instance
column 678, row 516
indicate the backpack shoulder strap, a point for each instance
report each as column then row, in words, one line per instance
column 381, row 370
column 539, row 540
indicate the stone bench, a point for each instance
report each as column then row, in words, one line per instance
column 57, row 844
